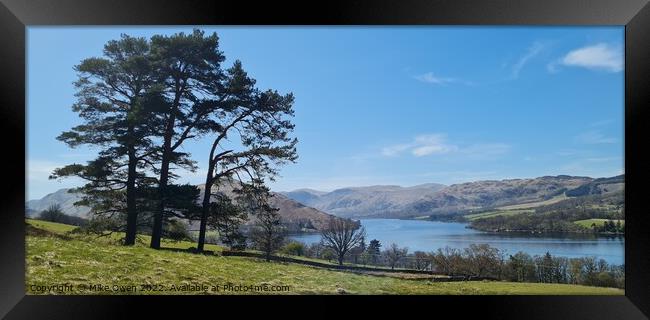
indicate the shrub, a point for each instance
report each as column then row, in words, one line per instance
column 293, row 248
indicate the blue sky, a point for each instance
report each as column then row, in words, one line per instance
column 385, row 105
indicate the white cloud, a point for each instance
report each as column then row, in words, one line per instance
column 594, row 137
column 421, row 145
column 600, row 56
column 431, row 144
column 429, row 77
column 533, row 50
column 395, row 149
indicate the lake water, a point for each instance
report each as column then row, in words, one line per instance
column 427, row 236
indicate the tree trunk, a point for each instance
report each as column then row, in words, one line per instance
column 341, row 256
column 131, row 210
column 205, row 209
column 156, row 232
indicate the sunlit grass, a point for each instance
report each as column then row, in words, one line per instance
column 83, row 261
column 495, row 213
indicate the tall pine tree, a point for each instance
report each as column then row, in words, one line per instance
column 188, row 69
column 114, row 102
column 260, row 122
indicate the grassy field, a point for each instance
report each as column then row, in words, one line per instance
column 599, row 222
column 55, row 258
column 495, row 213
column 534, row 204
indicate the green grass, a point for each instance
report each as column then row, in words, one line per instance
column 529, row 205
column 115, row 238
column 59, row 228
column 599, row 222
column 83, row 261
column 495, row 213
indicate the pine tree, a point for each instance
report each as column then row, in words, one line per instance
column 188, row 73
column 114, row 101
column 260, row 122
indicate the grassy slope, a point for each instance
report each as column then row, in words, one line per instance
column 52, row 260
column 515, row 209
column 530, row 205
column 495, row 213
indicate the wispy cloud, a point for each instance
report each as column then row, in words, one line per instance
column 432, row 144
column 431, row 78
column 601, row 56
column 532, row 51
column 421, row 145
column 594, row 137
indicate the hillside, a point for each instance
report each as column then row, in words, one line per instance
column 53, row 257
column 599, row 186
column 307, row 207
column 569, row 214
column 368, row 201
column 292, row 213
column 61, row 197
column 436, row 199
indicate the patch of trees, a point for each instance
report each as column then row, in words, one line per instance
column 140, row 103
column 483, row 261
column 528, row 222
column 609, row 226
column 593, row 187
column 54, row 214
column 559, row 217
column 454, row 216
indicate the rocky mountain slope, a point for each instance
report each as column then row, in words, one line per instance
column 307, row 207
column 364, row 201
column 425, row 200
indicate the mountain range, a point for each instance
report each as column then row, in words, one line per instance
column 313, row 208
column 293, row 214
column 428, row 199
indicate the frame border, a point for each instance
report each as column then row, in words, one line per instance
column 16, row 16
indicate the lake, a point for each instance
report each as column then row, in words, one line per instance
column 419, row 235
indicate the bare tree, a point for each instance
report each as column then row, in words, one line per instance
column 52, row 213
column 341, row 235
column 394, row 254
column 422, row 260
column 267, row 234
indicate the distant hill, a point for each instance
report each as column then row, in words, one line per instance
column 436, row 199
column 62, row 197
column 599, row 186
column 310, row 208
column 294, row 214
column 364, row 201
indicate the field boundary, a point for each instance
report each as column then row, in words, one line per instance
column 443, row 278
